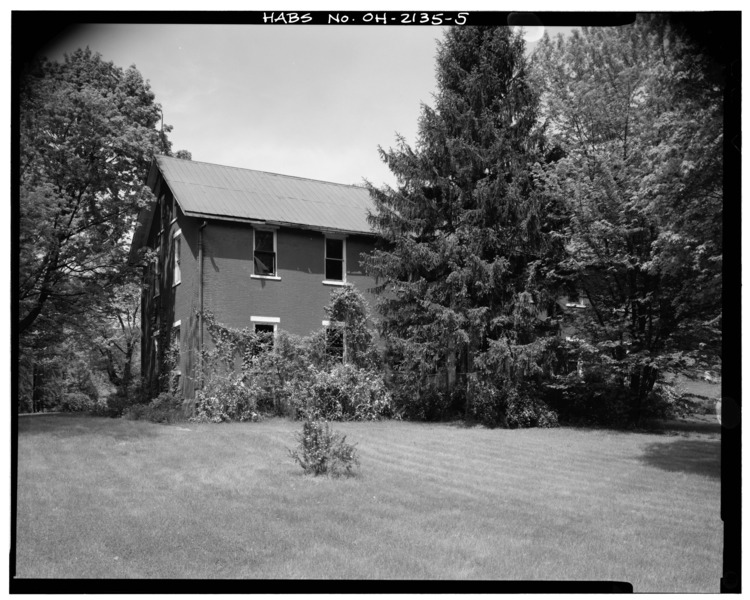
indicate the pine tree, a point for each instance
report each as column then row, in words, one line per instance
column 459, row 272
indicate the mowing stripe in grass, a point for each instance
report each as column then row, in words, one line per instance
column 114, row 498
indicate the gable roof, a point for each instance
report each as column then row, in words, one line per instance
column 215, row 191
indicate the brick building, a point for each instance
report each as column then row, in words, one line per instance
column 258, row 250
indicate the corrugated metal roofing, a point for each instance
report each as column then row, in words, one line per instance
column 204, row 189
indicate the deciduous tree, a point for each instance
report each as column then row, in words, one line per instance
column 88, row 130
column 637, row 113
column 87, row 133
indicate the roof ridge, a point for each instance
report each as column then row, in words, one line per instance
column 203, row 162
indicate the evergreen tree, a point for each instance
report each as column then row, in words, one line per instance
column 460, row 270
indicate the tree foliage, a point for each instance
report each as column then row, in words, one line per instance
column 636, row 113
column 348, row 311
column 88, row 131
column 467, row 244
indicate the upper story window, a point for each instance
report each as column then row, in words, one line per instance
column 264, row 253
column 176, row 244
column 335, row 257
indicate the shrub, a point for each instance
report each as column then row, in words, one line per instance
column 136, row 412
column 323, row 451
column 665, row 402
column 165, row 408
column 596, row 397
column 116, row 404
column 484, row 402
column 76, row 402
column 275, row 378
column 508, row 406
column 295, row 377
column 417, row 396
column 345, row 392
column 225, row 398
column 526, row 410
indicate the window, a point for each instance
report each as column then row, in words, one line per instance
column 334, row 340
column 265, row 328
column 157, row 271
column 264, row 253
column 335, row 259
column 174, row 358
column 176, row 242
column 265, row 334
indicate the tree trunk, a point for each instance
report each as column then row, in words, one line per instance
column 451, row 365
column 468, row 361
column 127, row 369
column 642, row 381
column 114, row 378
column 33, row 387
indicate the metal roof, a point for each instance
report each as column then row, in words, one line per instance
column 215, row 191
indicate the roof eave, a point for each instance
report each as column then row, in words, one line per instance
column 145, row 215
column 249, row 221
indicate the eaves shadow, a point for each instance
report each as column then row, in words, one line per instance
column 698, row 457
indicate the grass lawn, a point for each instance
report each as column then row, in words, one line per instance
column 115, row 498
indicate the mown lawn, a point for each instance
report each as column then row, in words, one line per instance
column 115, row 498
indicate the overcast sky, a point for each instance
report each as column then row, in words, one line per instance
column 311, row 101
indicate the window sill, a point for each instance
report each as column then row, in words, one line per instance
column 335, row 282
column 271, row 277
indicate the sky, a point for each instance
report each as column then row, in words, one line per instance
column 310, row 101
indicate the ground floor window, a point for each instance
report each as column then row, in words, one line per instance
column 174, row 358
column 265, row 330
column 334, row 340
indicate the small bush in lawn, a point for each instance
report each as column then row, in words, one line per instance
column 323, row 451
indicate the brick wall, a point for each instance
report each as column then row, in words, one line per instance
column 297, row 298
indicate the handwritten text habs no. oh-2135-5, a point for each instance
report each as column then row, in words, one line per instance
column 384, row 18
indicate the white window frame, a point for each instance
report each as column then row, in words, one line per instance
column 339, row 282
column 266, row 321
column 275, row 276
column 179, row 344
column 275, row 321
column 157, row 270
column 176, row 251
